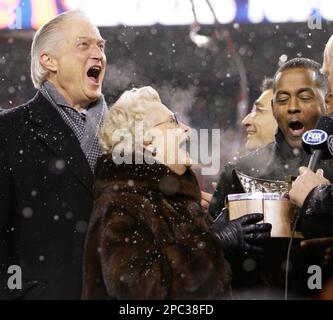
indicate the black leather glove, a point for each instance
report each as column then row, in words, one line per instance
column 241, row 234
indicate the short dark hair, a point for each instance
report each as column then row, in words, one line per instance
column 305, row 63
column 267, row 84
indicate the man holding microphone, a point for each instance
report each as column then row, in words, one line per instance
column 311, row 191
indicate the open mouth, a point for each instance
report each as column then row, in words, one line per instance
column 185, row 145
column 296, row 128
column 93, row 73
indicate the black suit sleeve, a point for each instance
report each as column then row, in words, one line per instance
column 317, row 213
column 225, row 186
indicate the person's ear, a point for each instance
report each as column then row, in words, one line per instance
column 329, row 103
column 49, row 62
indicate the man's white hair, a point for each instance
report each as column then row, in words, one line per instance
column 329, row 51
column 127, row 112
column 45, row 41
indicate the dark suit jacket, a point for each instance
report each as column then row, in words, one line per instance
column 45, row 202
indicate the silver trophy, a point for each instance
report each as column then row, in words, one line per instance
column 269, row 197
column 253, row 185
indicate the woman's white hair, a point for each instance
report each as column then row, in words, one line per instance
column 45, row 41
column 125, row 124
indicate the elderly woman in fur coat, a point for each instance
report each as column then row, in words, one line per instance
column 148, row 236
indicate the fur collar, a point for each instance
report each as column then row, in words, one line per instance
column 143, row 178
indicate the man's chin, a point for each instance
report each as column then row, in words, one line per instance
column 93, row 95
column 295, row 143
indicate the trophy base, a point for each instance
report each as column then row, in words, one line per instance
column 278, row 211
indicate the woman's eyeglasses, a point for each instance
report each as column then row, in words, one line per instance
column 171, row 119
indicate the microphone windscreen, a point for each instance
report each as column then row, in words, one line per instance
column 326, row 124
column 321, row 137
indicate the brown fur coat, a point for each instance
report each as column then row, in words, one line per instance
column 149, row 237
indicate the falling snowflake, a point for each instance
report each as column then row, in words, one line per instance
column 81, row 226
column 27, row 212
column 283, row 58
column 69, row 215
column 249, row 264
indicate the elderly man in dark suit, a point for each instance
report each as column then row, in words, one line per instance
column 48, row 149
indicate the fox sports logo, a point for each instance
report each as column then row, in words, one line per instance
column 314, row 137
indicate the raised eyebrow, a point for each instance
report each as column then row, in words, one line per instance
column 90, row 38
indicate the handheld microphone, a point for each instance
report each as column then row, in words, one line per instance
column 319, row 142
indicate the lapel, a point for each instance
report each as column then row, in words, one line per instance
column 59, row 138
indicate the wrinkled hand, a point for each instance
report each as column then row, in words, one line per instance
column 305, row 182
column 205, row 199
column 241, row 234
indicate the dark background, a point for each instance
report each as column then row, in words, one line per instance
column 202, row 85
